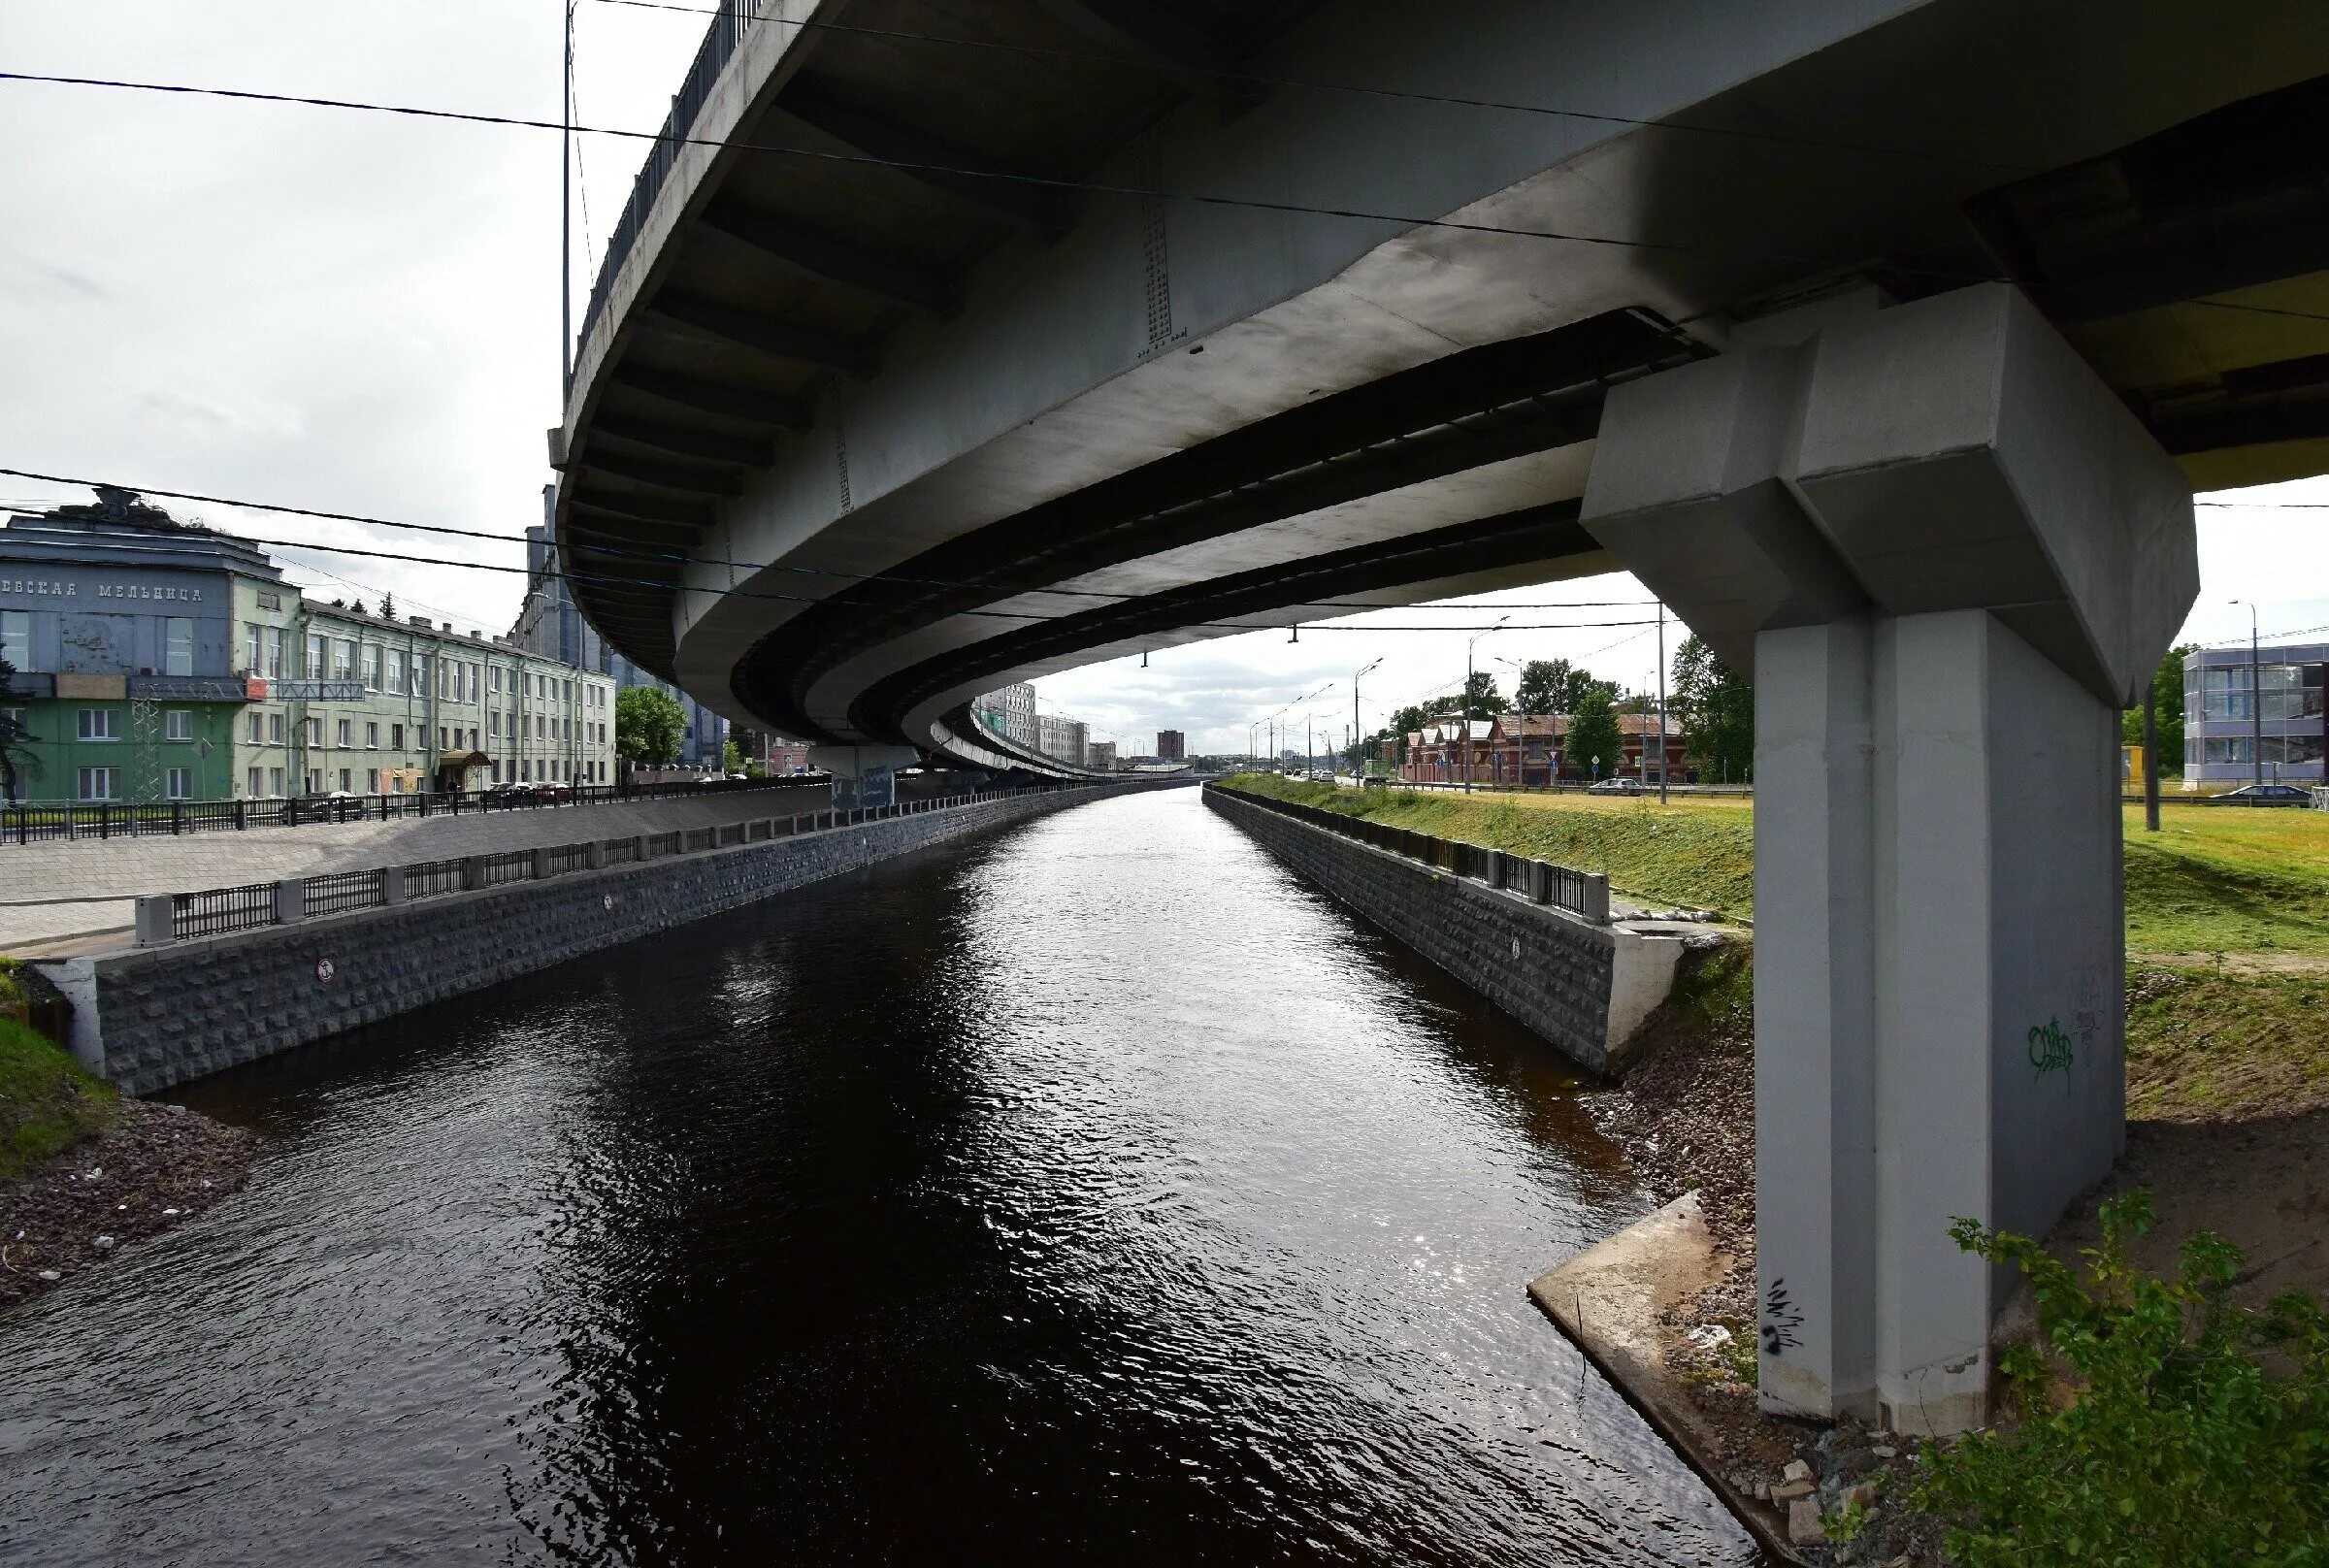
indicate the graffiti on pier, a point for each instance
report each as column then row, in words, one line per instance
column 2050, row 1051
column 1781, row 1319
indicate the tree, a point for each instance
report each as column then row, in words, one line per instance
column 731, row 758
column 648, row 723
column 15, row 750
column 1594, row 748
column 1481, row 700
column 387, row 606
column 1553, row 686
column 2167, row 704
column 1717, row 711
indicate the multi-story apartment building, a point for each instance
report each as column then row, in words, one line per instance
column 161, row 660
column 1170, row 745
column 2221, row 722
column 550, row 626
column 1010, row 712
column 1100, row 753
column 1064, row 738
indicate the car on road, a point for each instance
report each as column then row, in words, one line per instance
column 2261, row 794
column 1617, row 786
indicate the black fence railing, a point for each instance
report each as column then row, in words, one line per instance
column 510, row 866
column 729, row 25
column 338, row 891
column 1581, row 893
column 221, row 909
column 26, row 824
column 217, row 911
column 425, row 879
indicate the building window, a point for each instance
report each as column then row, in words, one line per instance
column 392, row 674
column 178, row 724
column 258, row 783
column 396, row 739
column 346, row 732
column 314, row 781
column 15, row 638
column 258, row 731
column 178, row 645
column 316, row 733
column 420, row 675
column 314, row 668
column 371, row 657
column 372, row 781
column 444, row 738
column 274, row 653
column 344, row 656
column 541, row 726
column 371, row 734
column 475, row 685
column 275, row 732
column 493, row 723
column 100, row 783
column 181, row 785
column 251, row 665
column 100, row 724
column 493, row 679
column 275, row 782
column 347, row 778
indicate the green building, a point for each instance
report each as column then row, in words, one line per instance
column 161, row 660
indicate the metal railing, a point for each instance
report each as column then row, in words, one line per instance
column 1581, row 893
column 338, row 891
column 214, row 910
column 219, row 912
column 425, row 879
column 729, row 25
column 29, row 823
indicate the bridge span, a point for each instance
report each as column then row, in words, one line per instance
column 1885, row 340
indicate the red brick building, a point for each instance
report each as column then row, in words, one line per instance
column 1526, row 749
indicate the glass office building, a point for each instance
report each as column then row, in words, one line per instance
column 2221, row 693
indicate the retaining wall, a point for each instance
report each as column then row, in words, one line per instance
column 151, row 1018
column 1585, row 987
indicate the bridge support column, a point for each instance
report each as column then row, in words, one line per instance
column 863, row 775
column 1947, row 556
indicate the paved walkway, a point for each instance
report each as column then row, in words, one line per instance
column 73, row 890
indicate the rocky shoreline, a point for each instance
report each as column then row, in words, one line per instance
column 148, row 1167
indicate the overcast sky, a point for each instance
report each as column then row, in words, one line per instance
column 358, row 312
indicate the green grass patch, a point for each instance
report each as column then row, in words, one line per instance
column 1697, row 853
column 2216, row 879
column 2225, row 1045
column 2227, row 880
column 47, row 1101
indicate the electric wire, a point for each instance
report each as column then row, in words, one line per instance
column 1098, row 187
column 683, row 557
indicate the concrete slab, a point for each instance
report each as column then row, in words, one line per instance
column 1608, row 1300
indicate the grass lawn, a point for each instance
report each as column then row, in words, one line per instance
column 2215, row 879
column 2214, row 1044
column 47, row 1101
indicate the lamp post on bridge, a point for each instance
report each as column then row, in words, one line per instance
column 1467, row 698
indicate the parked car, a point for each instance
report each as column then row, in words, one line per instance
column 1617, row 786
column 1375, row 782
column 2261, row 794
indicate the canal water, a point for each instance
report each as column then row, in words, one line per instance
column 1091, row 1192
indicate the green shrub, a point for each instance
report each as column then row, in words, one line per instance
column 2197, row 1434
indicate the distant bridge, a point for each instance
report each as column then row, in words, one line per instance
column 1881, row 339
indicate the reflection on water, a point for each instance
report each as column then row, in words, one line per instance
column 1093, row 1192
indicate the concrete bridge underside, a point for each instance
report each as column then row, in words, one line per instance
column 966, row 345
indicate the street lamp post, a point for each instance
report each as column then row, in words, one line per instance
column 1467, row 698
column 2255, row 699
column 1354, row 766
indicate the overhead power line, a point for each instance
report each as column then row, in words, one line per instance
column 1408, row 220
column 684, row 558
column 618, row 580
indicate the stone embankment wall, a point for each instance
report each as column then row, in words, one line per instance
column 1585, row 987
column 154, row 1017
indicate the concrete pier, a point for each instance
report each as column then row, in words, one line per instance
column 1948, row 556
